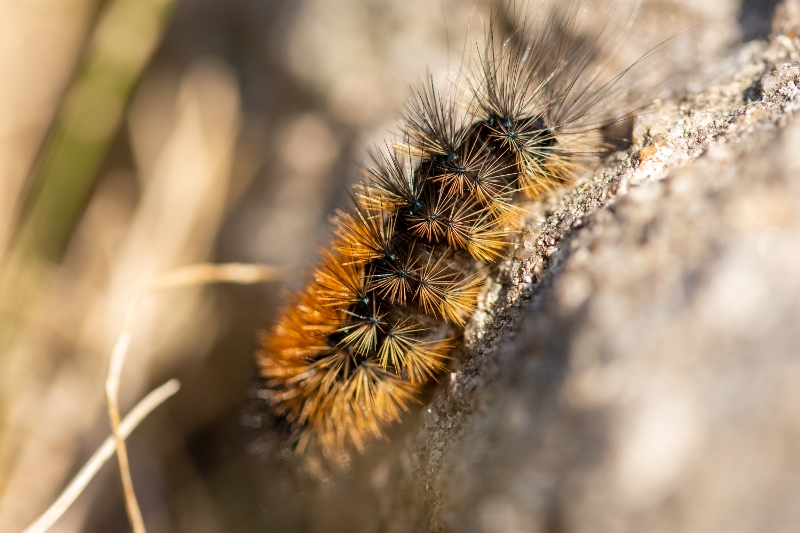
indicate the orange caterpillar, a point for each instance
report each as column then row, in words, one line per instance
column 403, row 273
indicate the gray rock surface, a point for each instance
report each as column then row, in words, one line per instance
column 634, row 366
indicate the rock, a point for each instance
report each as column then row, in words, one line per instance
column 634, row 365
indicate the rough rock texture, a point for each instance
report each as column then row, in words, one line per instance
column 634, row 367
column 631, row 366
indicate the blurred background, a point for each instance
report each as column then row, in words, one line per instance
column 137, row 136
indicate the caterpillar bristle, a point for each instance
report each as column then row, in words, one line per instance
column 399, row 281
column 361, row 331
column 340, row 285
column 365, row 235
column 392, row 183
column 434, row 125
column 402, row 349
column 461, row 297
column 391, row 280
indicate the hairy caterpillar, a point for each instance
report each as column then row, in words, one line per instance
column 393, row 290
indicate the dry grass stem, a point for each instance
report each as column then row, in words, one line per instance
column 199, row 274
column 103, row 454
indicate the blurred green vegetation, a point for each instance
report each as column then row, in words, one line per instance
column 123, row 40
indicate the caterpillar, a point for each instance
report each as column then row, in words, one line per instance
column 393, row 290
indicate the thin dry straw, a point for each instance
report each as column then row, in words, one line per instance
column 199, row 274
column 192, row 275
column 101, row 456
